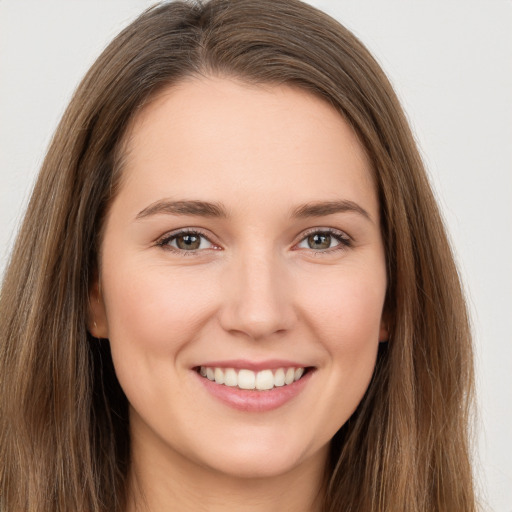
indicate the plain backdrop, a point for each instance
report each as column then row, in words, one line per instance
column 451, row 64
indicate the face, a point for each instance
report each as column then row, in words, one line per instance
column 242, row 277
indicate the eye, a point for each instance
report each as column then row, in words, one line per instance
column 324, row 240
column 187, row 241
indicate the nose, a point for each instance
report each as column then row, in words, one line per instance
column 257, row 298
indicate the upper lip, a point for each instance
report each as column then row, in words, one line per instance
column 269, row 364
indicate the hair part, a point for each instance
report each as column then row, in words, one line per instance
column 64, row 433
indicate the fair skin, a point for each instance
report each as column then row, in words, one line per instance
column 284, row 268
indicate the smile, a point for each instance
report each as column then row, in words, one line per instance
column 246, row 379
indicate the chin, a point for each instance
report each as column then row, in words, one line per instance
column 260, row 458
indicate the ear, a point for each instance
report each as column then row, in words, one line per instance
column 383, row 334
column 384, row 328
column 97, row 324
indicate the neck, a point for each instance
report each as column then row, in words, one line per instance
column 163, row 480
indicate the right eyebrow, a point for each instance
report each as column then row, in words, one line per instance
column 325, row 208
column 198, row 208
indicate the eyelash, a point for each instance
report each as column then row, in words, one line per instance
column 167, row 239
column 344, row 240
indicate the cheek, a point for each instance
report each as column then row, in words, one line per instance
column 151, row 317
column 155, row 300
column 346, row 301
column 345, row 316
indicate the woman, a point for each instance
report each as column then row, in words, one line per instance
column 232, row 287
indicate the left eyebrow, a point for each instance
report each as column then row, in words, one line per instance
column 323, row 208
column 199, row 208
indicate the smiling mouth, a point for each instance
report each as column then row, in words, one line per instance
column 245, row 379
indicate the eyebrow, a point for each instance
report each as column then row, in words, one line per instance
column 323, row 208
column 197, row 208
column 217, row 210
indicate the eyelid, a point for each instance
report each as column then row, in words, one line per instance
column 322, row 229
column 164, row 240
column 345, row 240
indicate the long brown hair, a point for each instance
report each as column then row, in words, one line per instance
column 64, row 436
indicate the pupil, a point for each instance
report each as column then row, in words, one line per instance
column 319, row 241
column 188, row 242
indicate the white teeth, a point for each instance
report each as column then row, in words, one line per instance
column 290, row 376
column 247, row 379
column 230, row 377
column 264, row 380
column 219, row 376
column 279, row 378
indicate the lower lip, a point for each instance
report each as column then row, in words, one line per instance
column 253, row 400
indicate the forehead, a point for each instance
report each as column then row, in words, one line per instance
column 224, row 138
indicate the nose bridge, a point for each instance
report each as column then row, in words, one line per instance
column 257, row 302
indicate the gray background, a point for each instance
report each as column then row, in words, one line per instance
column 451, row 63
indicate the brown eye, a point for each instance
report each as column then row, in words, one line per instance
column 326, row 241
column 319, row 241
column 188, row 242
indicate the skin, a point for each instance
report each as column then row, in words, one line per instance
column 254, row 290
